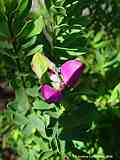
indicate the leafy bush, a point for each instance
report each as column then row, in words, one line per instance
column 85, row 124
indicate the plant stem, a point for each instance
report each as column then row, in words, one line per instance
column 15, row 50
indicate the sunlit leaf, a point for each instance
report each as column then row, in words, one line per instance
column 115, row 94
column 40, row 64
column 31, row 28
column 98, row 37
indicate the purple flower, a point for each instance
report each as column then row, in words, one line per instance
column 49, row 94
column 71, row 71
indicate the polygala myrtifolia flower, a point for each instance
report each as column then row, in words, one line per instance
column 50, row 94
column 70, row 72
column 56, row 80
column 69, row 75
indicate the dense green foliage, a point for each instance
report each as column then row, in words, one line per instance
column 87, row 122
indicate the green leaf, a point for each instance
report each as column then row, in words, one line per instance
column 41, row 105
column 20, row 119
column 35, row 122
column 32, row 155
column 2, row 6
column 47, row 155
column 101, row 44
column 22, row 150
column 29, row 43
column 21, row 103
column 62, row 147
column 58, row 10
column 60, row 2
column 78, row 144
column 115, row 95
column 41, row 143
column 98, row 37
column 38, row 48
column 23, row 8
column 55, row 115
column 33, row 92
column 32, row 28
column 100, row 58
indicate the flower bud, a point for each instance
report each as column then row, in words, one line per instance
column 71, row 71
column 49, row 94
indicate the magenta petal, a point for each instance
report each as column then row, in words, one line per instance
column 71, row 71
column 49, row 94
